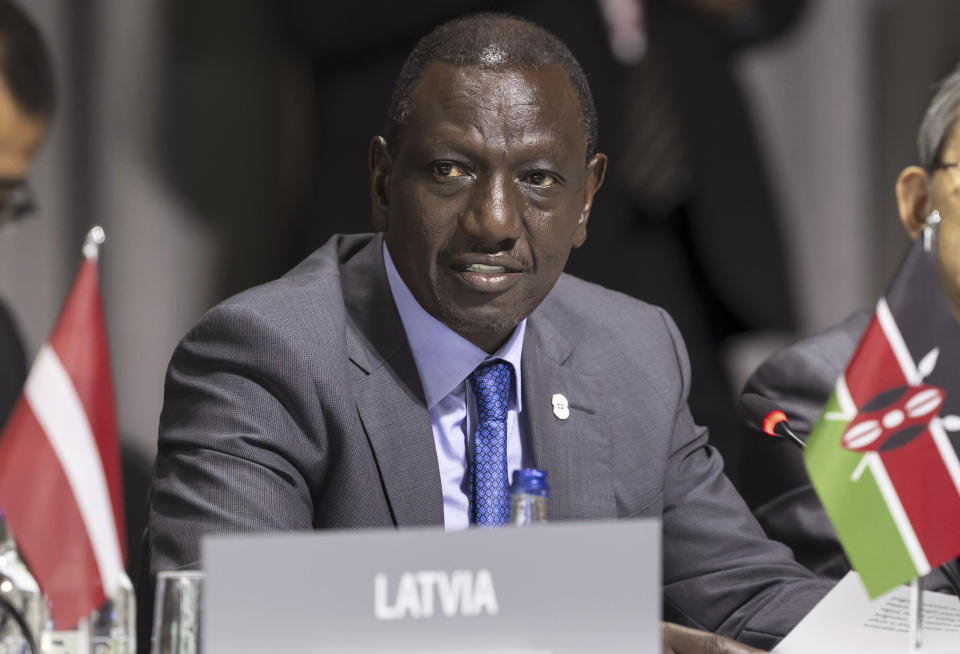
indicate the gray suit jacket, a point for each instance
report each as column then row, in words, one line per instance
column 297, row 405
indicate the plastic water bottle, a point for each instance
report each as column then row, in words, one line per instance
column 528, row 497
column 20, row 592
column 113, row 627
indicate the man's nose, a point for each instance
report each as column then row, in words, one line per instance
column 494, row 220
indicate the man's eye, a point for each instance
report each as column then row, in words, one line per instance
column 540, row 179
column 448, row 169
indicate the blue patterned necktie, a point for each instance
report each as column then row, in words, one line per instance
column 490, row 500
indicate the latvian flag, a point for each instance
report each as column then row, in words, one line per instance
column 60, row 485
column 883, row 456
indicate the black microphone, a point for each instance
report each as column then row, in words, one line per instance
column 764, row 414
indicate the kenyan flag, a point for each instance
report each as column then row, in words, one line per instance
column 884, row 455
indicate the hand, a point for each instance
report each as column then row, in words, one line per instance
column 683, row 640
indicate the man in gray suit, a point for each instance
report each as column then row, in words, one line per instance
column 396, row 379
column 801, row 377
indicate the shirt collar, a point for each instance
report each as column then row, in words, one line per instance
column 444, row 358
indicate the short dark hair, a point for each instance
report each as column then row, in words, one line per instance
column 25, row 63
column 492, row 41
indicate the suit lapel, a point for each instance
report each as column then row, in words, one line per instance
column 388, row 393
column 574, row 452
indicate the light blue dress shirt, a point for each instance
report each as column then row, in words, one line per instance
column 444, row 361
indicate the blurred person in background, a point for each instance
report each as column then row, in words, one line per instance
column 27, row 100
column 801, row 377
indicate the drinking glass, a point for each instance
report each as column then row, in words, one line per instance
column 176, row 613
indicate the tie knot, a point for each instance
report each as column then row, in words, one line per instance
column 491, row 382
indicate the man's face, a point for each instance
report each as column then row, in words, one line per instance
column 486, row 194
column 20, row 136
column 944, row 195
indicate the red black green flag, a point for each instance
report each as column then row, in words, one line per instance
column 883, row 457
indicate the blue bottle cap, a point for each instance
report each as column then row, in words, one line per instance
column 530, row 481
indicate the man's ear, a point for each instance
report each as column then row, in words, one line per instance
column 596, row 169
column 381, row 166
column 912, row 196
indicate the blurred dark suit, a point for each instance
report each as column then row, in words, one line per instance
column 773, row 479
column 13, row 364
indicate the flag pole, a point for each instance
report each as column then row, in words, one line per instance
column 91, row 244
column 929, row 236
column 916, row 614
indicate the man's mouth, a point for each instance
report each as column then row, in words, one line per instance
column 486, row 273
column 484, row 269
column 485, row 264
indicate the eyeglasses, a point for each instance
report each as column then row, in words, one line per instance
column 941, row 166
column 16, row 201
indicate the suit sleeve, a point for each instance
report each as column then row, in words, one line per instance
column 13, row 364
column 231, row 450
column 799, row 379
column 721, row 573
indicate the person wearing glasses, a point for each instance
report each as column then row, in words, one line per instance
column 27, row 99
column 801, row 377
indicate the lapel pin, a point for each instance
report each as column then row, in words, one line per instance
column 561, row 408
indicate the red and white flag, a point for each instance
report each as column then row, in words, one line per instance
column 60, row 486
